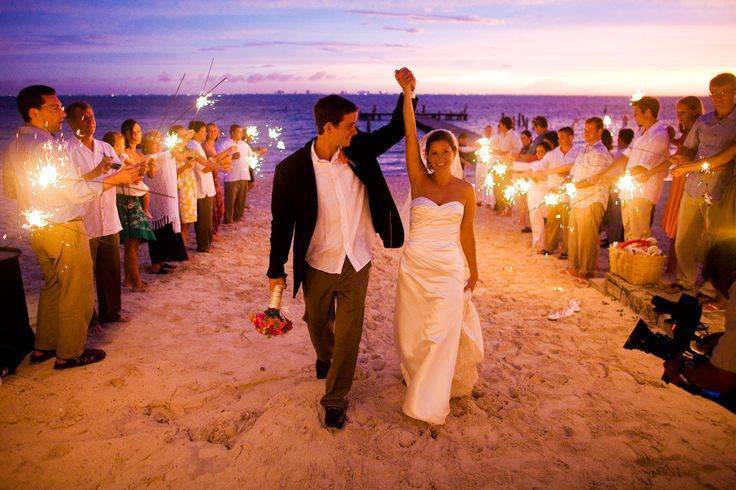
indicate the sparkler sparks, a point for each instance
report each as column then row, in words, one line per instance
column 499, row 168
column 607, row 121
column 636, row 96
column 35, row 219
column 705, row 168
column 280, row 145
column 626, row 185
column 172, row 141
column 552, row 199
column 570, row 189
column 252, row 133
column 203, row 101
column 275, row 133
column 47, row 175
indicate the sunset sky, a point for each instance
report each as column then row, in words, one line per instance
column 496, row 47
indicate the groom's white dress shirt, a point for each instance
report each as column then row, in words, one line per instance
column 344, row 227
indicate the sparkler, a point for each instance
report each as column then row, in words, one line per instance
column 488, row 183
column 35, row 218
column 252, row 133
column 484, row 153
column 636, row 96
column 499, row 168
column 607, row 121
column 172, row 141
column 570, row 189
column 552, row 199
column 203, row 101
column 280, row 145
column 705, row 168
column 275, row 133
column 626, row 184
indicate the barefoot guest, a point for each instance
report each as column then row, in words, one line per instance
column 59, row 238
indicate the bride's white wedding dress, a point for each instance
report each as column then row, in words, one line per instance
column 437, row 327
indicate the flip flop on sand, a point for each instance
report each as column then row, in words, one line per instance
column 569, row 310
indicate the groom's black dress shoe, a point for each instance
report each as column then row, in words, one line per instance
column 322, row 368
column 335, row 417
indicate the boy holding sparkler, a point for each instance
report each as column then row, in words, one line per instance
column 50, row 194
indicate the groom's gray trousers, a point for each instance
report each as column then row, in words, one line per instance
column 334, row 305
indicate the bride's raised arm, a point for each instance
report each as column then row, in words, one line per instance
column 414, row 166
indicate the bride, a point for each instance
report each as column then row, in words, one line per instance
column 437, row 327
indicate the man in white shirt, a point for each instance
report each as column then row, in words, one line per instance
column 100, row 216
column 50, row 193
column 329, row 200
column 646, row 160
column 589, row 203
column 238, row 178
column 205, row 187
column 555, row 167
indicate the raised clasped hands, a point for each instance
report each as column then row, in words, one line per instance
column 406, row 79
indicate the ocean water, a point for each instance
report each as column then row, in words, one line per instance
column 293, row 113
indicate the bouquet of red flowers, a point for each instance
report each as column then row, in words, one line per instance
column 270, row 322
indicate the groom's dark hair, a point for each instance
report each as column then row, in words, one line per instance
column 332, row 109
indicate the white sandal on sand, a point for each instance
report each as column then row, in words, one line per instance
column 566, row 311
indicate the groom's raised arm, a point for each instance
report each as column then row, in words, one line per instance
column 383, row 138
column 282, row 225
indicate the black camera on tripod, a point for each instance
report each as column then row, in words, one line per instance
column 685, row 321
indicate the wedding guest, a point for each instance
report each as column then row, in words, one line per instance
column 623, row 140
column 588, row 206
column 540, row 127
column 526, row 141
column 205, row 186
column 186, row 185
column 218, row 204
column 687, row 110
column 646, row 159
column 613, row 223
column 607, row 139
column 59, row 240
column 100, row 215
column 535, row 200
column 484, row 159
column 708, row 136
column 132, row 217
column 238, row 177
column 165, row 222
column 467, row 152
column 555, row 167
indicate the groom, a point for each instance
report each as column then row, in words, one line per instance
column 332, row 198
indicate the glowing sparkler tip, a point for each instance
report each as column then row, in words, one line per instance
column 636, row 96
column 203, row 101
column 252, row 132
column 280, row 145
column 172, row 141
column 705, row 167
column 35, row 218
column 274, row 133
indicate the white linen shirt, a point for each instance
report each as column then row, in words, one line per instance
column 344, row 227
column 509, row 142
column 649, row 149
column 241, row 167
column 205, row 182
column 61, row 203
column 100, row 215
column 591, row 160
column 553, row 159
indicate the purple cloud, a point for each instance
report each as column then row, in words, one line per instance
column 271, row 77
column 410, row 30
column 321, row 75
column 461, row 19
column 163, row 77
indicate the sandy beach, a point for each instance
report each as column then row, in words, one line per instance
column 191, row 396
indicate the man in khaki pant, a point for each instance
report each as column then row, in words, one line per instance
column 556, row 166
column 711, row 134
column 588, row 205
column 52, row 207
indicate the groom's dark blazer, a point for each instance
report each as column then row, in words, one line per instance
column 294, row 197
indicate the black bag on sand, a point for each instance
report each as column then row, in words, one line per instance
column 16, row 336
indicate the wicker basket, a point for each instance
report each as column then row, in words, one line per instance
column 636, row 269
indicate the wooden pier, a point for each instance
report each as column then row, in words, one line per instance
column 374, row 115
